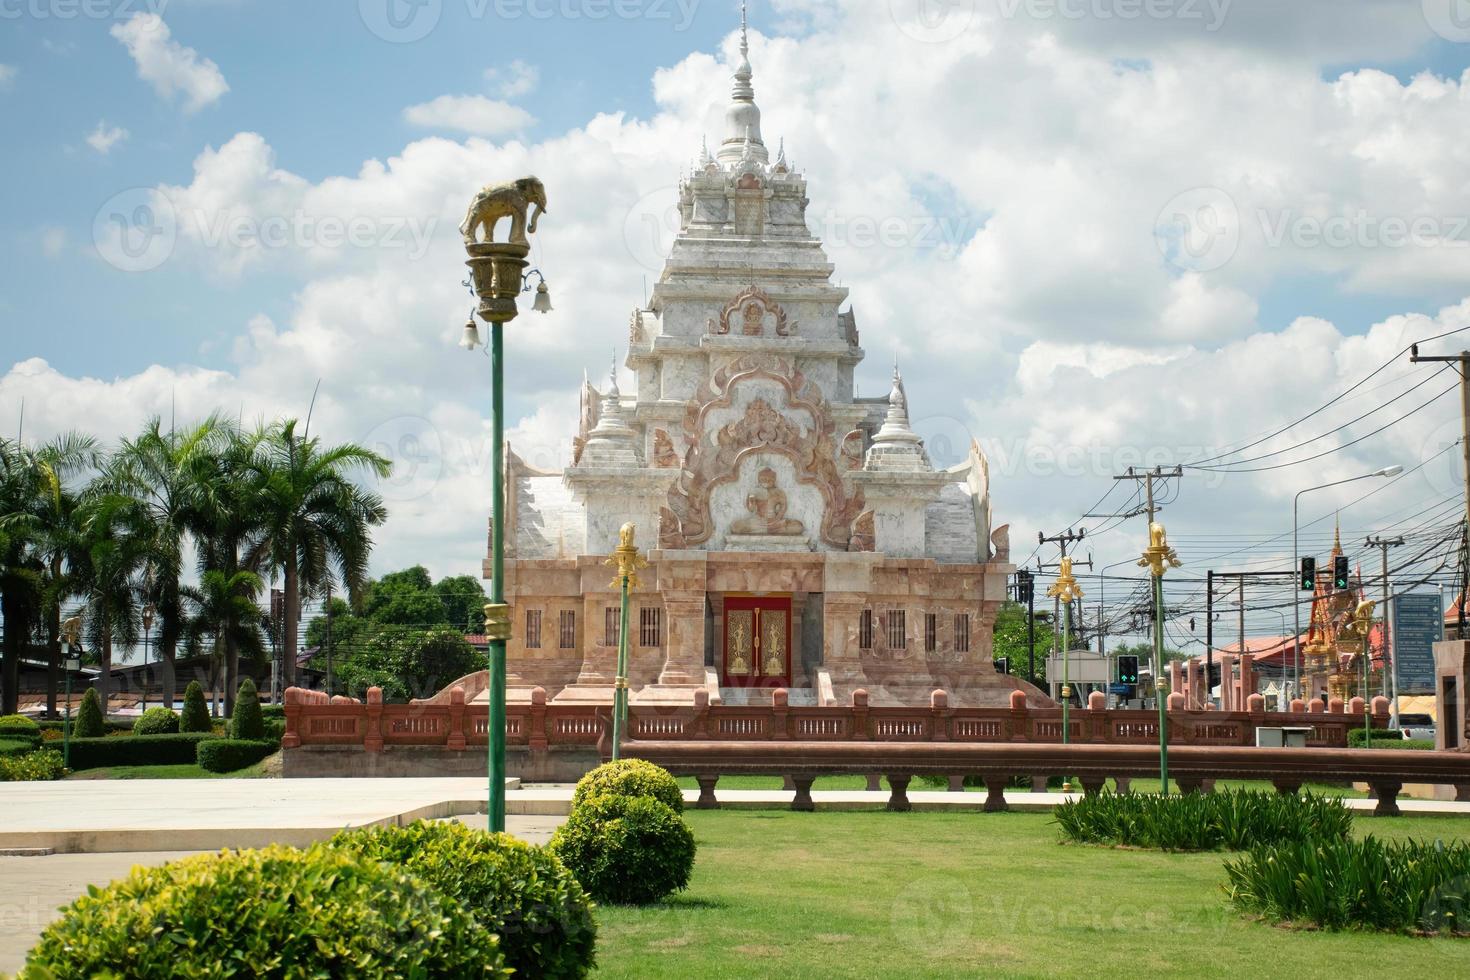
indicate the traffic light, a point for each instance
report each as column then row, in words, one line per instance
column 1309, row 574
column 1128, row 669
column 1003, row 665
column 1340, row 572
column 1023, row 586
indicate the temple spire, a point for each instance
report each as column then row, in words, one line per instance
column 743, row 118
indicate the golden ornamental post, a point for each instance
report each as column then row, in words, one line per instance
column 1158, row 557
column 1066, row 589
column 627, row 560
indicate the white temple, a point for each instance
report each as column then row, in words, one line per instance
column 798, row 536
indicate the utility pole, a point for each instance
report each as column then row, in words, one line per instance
column 1064, row 642
column 1148, row 477
column 1209, row 635
column 1461, row 361
column 1384, row 544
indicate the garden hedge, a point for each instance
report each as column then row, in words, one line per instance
column 231, row 754
column 15, row 745
column 626, row 850
column 274, row 912
column 136, row 750
column 520, row 892
column 19, row 726
column 630, row 777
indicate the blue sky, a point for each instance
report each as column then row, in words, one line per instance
column 1053, row 145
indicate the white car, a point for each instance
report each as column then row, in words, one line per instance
column 1417, row 726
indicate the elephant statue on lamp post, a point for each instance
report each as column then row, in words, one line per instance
column 511, row 200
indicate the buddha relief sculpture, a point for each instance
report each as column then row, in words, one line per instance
column 755, row 320
column 767, row 506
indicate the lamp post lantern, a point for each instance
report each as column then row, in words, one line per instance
column 1065, row 589
column 148, row 612
column 626, row 560
column 71, row 634
column 1158, row 557
column 498, row 276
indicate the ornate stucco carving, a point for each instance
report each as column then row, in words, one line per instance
column 1000, row 543
column 636, row 335
column 715, row 457
column 864, row 534
column 665, row 456
column 746, row 315
column 851, row 453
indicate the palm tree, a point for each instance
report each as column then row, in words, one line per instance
column 168, row 474
column 315, row 522
column 228, row 611
column 110, row 555
column 20, row 574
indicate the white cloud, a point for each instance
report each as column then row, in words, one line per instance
column 473, row 114
column 53, row 241
column 7, row 75
column 172, row 69
column 1025, row 291
column 105, row 137
column 514, row 80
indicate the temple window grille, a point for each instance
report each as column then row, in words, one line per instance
column 931, row 632
column 533, row 629
column 898, row 638
column 865, row 630
column 650, row 626
column 962, row 633
column 610, row 620
column 568, row 630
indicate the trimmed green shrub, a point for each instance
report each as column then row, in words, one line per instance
column 274, row 912
column 626, row 850
column 630, row 777
column 40, row 764
column 136, row 750
column 89, row 720
column 269, row 711
column 521, row 893
column 157, row 720
column 246, row 723
column 1398, row 886
column 195, row 717
column 1233, row 821
column 17, row 746
column 19, row 726
column 230, row 754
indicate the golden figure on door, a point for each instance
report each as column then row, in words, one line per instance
column 775, row 643
column 739, row 639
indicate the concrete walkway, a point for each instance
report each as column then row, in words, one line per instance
column 67, row 817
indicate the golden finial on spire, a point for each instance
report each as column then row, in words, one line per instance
column 1065, row 587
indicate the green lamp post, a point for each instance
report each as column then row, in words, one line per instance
column 626, row 559
column 1066, row 589
column 1156, row 558
column 498, row 276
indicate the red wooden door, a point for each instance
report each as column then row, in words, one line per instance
column 757, row 645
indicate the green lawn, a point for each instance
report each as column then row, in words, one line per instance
column 190, row 770
column 859, row 782
column 865, row 894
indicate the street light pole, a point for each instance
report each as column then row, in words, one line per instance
column 1296, row 606
column 1156, row 558
column 148, row 611
column 1065, row 590
column 498, row 276
column 626, row 560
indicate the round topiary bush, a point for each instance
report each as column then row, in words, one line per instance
column 19, row 726
column 275, row 912
column 195, row 716
column 157, row 721
column 522, row 893
column 89, row 723
column 626, row 850
column 221, row 755
column 630, row 777
column 246, row 722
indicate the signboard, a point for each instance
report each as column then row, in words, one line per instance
column 1418, row 623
